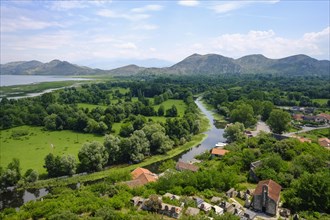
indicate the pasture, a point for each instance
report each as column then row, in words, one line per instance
column 33, row 144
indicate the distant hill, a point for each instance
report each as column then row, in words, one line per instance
column 195, row 64
column 252, row 64
column 55, row 67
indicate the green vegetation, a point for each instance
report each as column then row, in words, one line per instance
column 21, row 90
column 314, row 135
column 31, row 149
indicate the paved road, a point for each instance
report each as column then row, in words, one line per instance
column 305, row 129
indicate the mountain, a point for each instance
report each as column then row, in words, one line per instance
column 205, row 64
column 195, row 64
column 55, row 67
column 251, row 64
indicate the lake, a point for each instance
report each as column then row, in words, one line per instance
column 11, row 80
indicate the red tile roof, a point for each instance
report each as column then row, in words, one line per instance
column 185, row 166
column 219, row 151
column 274, row 189
column 324, row 142
column 324, row 115
column 141, row 177
column 138, row 171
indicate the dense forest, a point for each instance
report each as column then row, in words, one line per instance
column 300, row 168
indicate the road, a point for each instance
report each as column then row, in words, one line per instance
column 304, row 129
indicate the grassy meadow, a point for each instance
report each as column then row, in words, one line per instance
column 32, row 148
column 314, row 135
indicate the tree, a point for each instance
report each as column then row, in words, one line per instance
column 161, row 110
column 161, row 143
column 52, row 165
column 278, row 121
column 68, row 165
column 140, row 146
column 12, row 174
column 50, row 122
column 153, row 204
column 31, row 176
column 243, row 113
column 234, row 132
column 93, row 156
column 126, row 130
column 172, row 112
column 112, row 144
column 268, row 107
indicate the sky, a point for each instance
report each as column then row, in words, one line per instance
column 108, row 34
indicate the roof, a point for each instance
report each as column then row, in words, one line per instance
column 219, row 151
column 176, row 209
column 138, row 171
column 274, row 189
column 205, row 206
column 217, row 209
column 324, row 115
column 192, row 211
column 298, row 116
column 324, row 142
column 186, row 166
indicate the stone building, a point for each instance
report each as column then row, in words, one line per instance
column 266, row 197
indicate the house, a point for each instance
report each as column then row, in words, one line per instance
column 231, row 193
column 325, row 116
column 227, row 207
column 206, row 207
column 248, row 215
column 192, row 211
column 266, row 197
column 324, row 142
column 215, row 200
column 219, row 152
column 170, row 210
column 302, row 139
column 186, row 166
column 171, row 196
column 310, row 118
column 141, row 177
column 298, row 117
column 218, row 210
column 198, row 201
column 253, row 166
column 137, row 201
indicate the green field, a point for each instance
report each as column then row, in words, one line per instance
column 316, row 134
column 320, row 101
column 90, row 106
column 31, row 149
column 180, row 105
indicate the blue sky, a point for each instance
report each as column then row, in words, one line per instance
column 107, row 34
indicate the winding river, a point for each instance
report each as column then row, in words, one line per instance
column 15, row 199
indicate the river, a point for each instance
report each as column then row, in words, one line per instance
column 15, row 199
column 13, row 80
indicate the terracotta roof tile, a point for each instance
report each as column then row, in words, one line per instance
column 138, row 171
column 185, row 166
column 219, row 151
column 274, row 189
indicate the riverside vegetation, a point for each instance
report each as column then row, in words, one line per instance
column 298, row 167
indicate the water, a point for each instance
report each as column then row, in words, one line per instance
column 214, row 135
column 11, row 80
column 15, row 199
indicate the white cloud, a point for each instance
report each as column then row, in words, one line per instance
column 147, row 8
column 129, row 16
column 189, row 3
column 67, row 5
column 128, row 45
column 24, row 23
column 146, row 27
column 271, row 45
column 227, row 6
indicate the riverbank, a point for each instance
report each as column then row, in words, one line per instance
column 196, row 140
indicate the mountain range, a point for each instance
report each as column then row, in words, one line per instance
column 193, row 65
